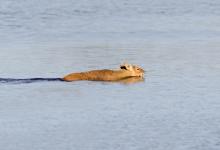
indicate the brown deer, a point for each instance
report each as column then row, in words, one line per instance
column 125, row 71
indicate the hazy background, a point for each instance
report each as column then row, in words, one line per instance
column 175, row 41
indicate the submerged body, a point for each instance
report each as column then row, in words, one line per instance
column 125, row 71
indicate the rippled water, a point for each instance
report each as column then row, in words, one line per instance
column 175, row 107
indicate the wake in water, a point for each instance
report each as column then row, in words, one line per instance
column 27, row 80
column 129, row 80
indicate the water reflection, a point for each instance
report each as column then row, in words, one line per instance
column 131, row 80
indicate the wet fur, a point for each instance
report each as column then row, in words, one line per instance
column 97, row 75
column 103, row 75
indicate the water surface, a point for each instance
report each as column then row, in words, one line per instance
column 175, row 107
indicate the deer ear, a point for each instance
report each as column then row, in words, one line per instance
column 123, row 67
column 126, row 66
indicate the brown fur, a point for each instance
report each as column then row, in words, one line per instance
column 107, row 75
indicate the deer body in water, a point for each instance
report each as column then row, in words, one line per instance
column 125, row 71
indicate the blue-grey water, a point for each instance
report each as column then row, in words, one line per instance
column 177, row 42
